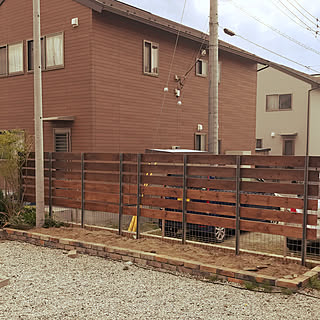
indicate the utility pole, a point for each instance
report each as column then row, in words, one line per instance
column 213, row 126
column 38, row 125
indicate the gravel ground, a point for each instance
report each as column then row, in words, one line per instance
column 46, row 284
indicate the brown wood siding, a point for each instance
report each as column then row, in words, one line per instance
column 66, row 91
column 130, row 114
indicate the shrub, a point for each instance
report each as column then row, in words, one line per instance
column 26, row 219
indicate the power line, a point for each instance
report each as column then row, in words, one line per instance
column 311, row 15
column 316, row 32
column 275, row 53
column 303, row 14
column 292, row 19
column 277, row 30
column 170, row 69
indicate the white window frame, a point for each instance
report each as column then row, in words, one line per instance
column 203, row 63
column 154, row 60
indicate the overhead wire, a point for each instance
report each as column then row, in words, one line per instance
column 315, row 31
column 303, row 14
column 292, row 19
column 170, row 70
column 275, row 53
column 311, row 15
column 277, row 30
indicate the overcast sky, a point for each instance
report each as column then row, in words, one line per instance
column 296, row 19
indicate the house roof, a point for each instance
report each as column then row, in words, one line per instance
column 148, row 18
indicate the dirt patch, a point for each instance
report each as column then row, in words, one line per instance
column 214, row 256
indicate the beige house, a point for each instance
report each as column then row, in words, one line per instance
column 283, row 96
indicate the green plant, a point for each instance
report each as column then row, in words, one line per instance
column 314, row 283
column 251, row 285
column 286, row 291
column 213, row 278
column 266, row 287
column 26, row 219
column 14, row 151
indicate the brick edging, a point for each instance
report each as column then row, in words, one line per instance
column 161, row 262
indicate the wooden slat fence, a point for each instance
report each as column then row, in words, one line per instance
column 109, row 183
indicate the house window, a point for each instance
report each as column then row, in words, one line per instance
column 15, row 58
column 258, row 143
column 3, row 61
column 288, row 147
column 151, row 58
column 279, row 102
column 62, row 140
column 30, row 54
column 52, row 52
column 200, row 141
column 201, row 68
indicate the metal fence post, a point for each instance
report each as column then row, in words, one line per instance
column 138, row 194
column 82, row 190
column 238, row 181
column 184, row 203
column 50, row 184
column 120, row 192
column 305, row 211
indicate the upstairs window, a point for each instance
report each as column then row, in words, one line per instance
column 11, row 59
column 15, row 57
column 30, row 54
column 52, row 52
column 279, row 102
column 3, row 61
column 201, row 68
column 151, row 58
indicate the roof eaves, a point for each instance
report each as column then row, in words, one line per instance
column 92, row 4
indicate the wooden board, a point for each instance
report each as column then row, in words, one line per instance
column 212, row 184
column 66, row 156
column 212, row 159
column 110, row 167
column 101, row 157
column 206, row 171
column 274, row 161
column 275, row 201
column 101, row 207
column 285, row 188
column 162, row 158
column 102, row 187
column 278, row 174
column 276, row 215
column 66, row 165
column 277, row 229
column 102, row 177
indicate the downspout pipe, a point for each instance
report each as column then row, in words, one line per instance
column 305, row 197
column 308, row 118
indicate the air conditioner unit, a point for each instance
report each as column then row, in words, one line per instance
column 175, row 147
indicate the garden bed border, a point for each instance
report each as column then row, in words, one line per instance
column 161, row 262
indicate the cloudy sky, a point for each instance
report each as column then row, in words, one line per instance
column 259, row 21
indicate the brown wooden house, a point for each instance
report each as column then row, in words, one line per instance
column 105, row 67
